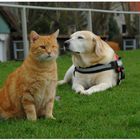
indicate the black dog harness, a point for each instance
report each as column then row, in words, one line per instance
column 117, row 65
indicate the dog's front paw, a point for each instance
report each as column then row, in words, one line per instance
column 61, row 82
column 83, row 92
column 79, row 90
column 87, row 92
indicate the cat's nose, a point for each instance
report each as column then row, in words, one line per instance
column 49, row 53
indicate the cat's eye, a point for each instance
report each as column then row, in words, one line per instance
column 80, row 37
column 53, row 46
column 42, row 47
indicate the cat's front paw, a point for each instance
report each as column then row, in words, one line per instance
column 51, row 117
column 33, row 119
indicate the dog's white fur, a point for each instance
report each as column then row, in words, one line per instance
column 87, row 50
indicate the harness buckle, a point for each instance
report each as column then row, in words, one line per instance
column 120, row 70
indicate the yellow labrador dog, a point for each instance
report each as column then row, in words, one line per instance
column 92, row 69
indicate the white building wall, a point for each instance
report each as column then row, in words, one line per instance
column 120, row 18
column 4, row 43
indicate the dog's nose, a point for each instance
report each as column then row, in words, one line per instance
column 66, row 44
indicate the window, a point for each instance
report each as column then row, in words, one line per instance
column 123, row 28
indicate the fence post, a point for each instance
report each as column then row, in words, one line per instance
column 89, row 21
column 137, row 36
column 24, row 32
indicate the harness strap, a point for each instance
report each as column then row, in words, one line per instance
column 116, row 65
column 96, row 68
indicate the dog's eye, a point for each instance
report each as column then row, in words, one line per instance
column 80, row 37
column 42, row 47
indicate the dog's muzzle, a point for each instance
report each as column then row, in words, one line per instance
column 67, row 47
column 67, row 44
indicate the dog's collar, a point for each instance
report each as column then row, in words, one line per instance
column 117, row 65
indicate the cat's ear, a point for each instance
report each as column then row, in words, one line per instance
column 33, row 36
column 55, row 34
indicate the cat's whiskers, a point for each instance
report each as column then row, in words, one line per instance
column 38, row 67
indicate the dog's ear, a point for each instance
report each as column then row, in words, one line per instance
column 99, row 46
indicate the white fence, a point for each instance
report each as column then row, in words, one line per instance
column 24, row 20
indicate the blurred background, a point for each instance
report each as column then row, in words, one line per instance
column 121, row 31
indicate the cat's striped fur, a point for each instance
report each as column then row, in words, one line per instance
column 30, row 90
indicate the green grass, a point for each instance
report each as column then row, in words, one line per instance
column 114, row 113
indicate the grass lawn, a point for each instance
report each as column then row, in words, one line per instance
column 114, row 113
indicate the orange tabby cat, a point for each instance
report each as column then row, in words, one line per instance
column 30, row 90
